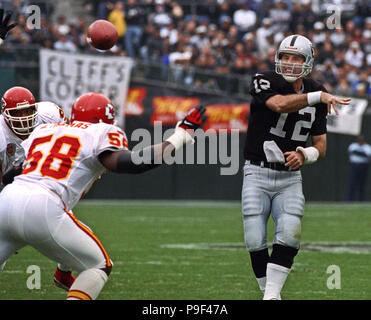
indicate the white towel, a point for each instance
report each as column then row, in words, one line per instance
column 273, row 152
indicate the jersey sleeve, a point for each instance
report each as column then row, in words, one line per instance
column 319, row 126
column 262, row 87
column 111, row 138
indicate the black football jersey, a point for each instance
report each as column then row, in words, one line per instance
column 288, row 130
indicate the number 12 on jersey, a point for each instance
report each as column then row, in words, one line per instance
column 296, row 134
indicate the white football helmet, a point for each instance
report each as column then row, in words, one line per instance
column 49, row 112
column 295, row 44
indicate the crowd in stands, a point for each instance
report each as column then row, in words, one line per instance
column 222, row 36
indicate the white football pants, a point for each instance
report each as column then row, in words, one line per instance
column 32, row 215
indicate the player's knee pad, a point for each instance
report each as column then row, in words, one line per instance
column 288, row 230
column 288, row 212
column 283, row 255
column 255, row 232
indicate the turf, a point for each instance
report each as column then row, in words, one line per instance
column 161, row 250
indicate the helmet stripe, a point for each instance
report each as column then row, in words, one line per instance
column 293, row 41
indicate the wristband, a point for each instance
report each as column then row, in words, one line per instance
column 179, row 137
column 314, row 97
column 310, row 154
column 1, row 41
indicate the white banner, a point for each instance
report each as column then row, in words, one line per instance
column 66, row 76
column 349, row 120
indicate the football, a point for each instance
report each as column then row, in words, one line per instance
column 102, row 35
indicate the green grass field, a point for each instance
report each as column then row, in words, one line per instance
column 194, row 250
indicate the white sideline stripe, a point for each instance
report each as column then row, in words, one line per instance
column 214, row 203
column 338, row 247
column 12, row 271
column 161, row 203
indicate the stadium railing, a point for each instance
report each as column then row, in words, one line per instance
column 25, row 61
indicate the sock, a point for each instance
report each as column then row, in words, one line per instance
column 87, row 285
column 276, row 278
column 283, row 255
column 63, row 267
column 259, row 261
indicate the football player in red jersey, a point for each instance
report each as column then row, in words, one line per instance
column 62, row 163
column 20, row 115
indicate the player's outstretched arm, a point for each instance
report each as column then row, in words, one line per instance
column 153, row 156
column 5, row 27
column 135, row 162
column 287, row 103
column 295, row 102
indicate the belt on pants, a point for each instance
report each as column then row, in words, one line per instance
column 271, row 165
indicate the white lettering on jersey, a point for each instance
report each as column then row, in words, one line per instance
column 261, row 84
column 296, row 135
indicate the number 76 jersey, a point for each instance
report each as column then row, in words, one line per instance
column 63, row 158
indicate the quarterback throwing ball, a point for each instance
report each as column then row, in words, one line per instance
column 288, row 110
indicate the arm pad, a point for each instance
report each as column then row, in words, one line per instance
column 180, row 137
column 314, row 97
column 310, row 154
column 125, row 163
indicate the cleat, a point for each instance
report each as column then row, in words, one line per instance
column 63, row 279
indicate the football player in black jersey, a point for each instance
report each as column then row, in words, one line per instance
column 287, row 110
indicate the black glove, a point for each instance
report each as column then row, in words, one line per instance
column 194, row 119
column 4, row 27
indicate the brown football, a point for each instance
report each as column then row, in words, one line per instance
column 102, row 35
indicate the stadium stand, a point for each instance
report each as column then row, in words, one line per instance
column 202, row 43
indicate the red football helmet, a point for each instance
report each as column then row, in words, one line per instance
column 19, row 109
column 93, row 107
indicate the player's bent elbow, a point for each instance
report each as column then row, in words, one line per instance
column 276, row 103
